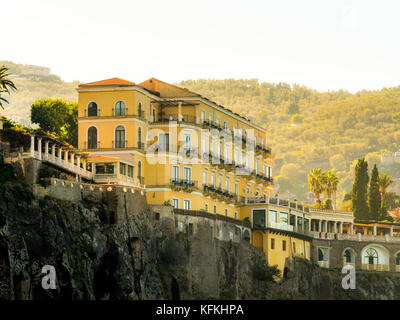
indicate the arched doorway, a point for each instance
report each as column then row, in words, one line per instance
column 92, row 138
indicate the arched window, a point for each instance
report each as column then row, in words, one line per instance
column 371, row 255
column 140, row 146
column 398, row 259
column 140, row 111
column 348, row 256
column 120, row 108
column 120, row 137
column 92, row 138
column 320, row 255
column 92, row 110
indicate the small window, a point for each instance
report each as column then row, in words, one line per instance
column 226, row 212
column 100, row 169
column 186, row 204
column 272, row 243
column 236, row 215
column 130, row 171
column 122, row 168
column 215, row 209
column 206, row 207
column 283, row 245
column 190, row 228
column 175, row 203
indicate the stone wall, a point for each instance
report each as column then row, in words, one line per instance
column 337, row 247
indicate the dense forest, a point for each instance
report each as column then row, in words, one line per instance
column 307, row 129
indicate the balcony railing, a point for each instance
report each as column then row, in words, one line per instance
column 185, row 183
column 175, row 117
column 221, row 192
column 92, row 146
column 92, row 115
column 375, row 267
column 280, row 226
column 276, row 201
column 120, row 144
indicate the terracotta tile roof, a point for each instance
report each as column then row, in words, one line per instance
column 108, row 82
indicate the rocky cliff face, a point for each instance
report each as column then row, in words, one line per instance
column 93, row 259
column 145, row 259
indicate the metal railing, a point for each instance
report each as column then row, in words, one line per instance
column 91, row 146
column 185, row 183
column 92, row 115
column 120, row 144
column 175, row 117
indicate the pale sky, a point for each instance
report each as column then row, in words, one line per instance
column 325, row 45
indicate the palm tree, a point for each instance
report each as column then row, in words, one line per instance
column 331, row 184
column 6, row 85
column 384, row 182
column 316, row 183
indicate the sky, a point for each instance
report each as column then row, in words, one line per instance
column 325, row 45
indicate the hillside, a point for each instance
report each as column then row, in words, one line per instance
column 33, row 83
column 310, row 129
column 306, row 128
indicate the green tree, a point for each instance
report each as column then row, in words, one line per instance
column 384, row 183
column 6, row 85
column 374, row 196
column 331, row 182
column 57, row 116
column 316, row 182
column 360, row 190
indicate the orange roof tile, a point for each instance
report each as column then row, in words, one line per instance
column 108, row 82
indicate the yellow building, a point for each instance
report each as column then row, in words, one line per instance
column 183, row 148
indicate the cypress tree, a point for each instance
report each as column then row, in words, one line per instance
column 360, row 190
column 374, row 196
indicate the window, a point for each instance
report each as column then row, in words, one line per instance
column 119, row 137
column 92, row 110
column 348, row 257
column 272, row 215
column 226, row 154
column 190, row 228
column 257, row 167
column 301, row 249
column 175, row 174
column 206, row 207
column 204, row 177
column 92, row 138
column 203, row 145
column 371, row 256
column 226, row 212
column 119, row 108
column 255, row 141
column 187, row 174
column 283, row 218
column 218, row 122
column 140, row 172
column 215, row 208
column 262, row 143
column 320, row 255
column 122, row 169
column 154, row 115
column 213, row 180
column 227, row 185
column 203, row 116
column 100, row 169
column 236, row 189
column 140, row 145
column 219, row 182
column 210, row 117
column 186, row 204
column 175, row 203
column 130, row 171
column 140, row 111
column 398, row 259
column 264, row 169
column 186, row 142
column 272, row 243
column 283, row 245
column 236, row 215
column 225, row 125
column 259, row 218
column 163, row 142
column 109, row 168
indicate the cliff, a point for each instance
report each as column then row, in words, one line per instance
column 98, row 259
column 145, row 258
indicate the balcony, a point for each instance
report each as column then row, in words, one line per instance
column 220, row 193
column 280, row 226
column 182, row 184
column 276, row 201
column 91, row 114
column 185, row 118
